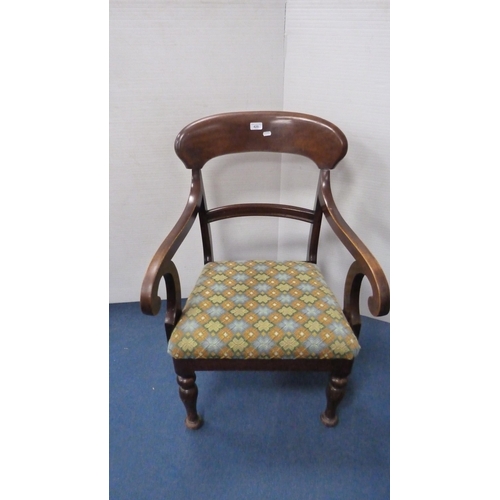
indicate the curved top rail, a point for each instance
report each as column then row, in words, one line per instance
column 273, row 131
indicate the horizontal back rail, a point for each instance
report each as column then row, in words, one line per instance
column 260, row 209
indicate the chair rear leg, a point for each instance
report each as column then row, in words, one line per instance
column 334, row 393
column 188, row 391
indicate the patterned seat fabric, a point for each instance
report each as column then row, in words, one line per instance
column 265, row 310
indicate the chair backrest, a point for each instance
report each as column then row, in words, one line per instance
column 274, row 131
column 266, row 131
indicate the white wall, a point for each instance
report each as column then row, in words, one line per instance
column 337, row 67
column 171, row 63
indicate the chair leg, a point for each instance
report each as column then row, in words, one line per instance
column 334, row 393
column 188, row 391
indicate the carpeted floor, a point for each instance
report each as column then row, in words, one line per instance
column 262, row 437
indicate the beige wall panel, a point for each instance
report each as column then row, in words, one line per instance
column 172, row 63
column 337, row 67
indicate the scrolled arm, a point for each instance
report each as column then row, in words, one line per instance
column 161, row 265
column 365, row 263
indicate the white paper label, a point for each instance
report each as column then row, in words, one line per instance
column 267, row 133
column 255, row 125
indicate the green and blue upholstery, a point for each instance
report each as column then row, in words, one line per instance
column 262, row 310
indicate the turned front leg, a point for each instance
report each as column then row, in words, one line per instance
column 334, row 393
column 188, row 391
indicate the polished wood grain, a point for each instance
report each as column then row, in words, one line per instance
column 260, row 209
column 296, row 133
column 286, row 132
column 188, row 392
column 161, row 262
column 366, row 264
column 340, row 366
column 334, row 393
column 206, row 234
column 312, row 246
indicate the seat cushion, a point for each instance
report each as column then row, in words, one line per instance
column 262, row 309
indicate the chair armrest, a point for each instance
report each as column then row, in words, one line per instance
column 161, row 265
column 365, row 263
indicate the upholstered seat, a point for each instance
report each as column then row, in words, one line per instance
column 264, row 310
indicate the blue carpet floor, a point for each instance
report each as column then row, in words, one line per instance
column 262, row 437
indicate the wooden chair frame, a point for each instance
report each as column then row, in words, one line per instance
column 296, row 133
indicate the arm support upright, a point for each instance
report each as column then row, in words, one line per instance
column 365, row 263
column 161, row 265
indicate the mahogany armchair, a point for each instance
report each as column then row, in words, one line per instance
column 262, row 315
